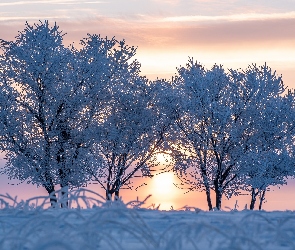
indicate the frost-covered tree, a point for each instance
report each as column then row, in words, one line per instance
column 267, row 161
column 265, row 169
column 289, row 108
column 37, row 71
column 76, row 114
column 131, row 135
column 119, row 121
column 216, row 125
column 203, row 139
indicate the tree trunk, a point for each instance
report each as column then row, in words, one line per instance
column 51, row 192
column 218, row 180
column 64, row 196
column 206, row 184
column 49, row 186
column 117, row 197
column 209, row 202
column 61, row 171
column 218, row 198
column 218, row 193
column 108, row 195
column 261, row 199
column 253, row 199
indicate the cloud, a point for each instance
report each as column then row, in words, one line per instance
column 162, row 46
column 235, row 17
column 154, row 11
column 32, row 2
column 148, row 31
column 167, row 32
column 23, row 18
column 51, row 2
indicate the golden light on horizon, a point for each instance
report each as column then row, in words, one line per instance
column 163, row 182
column 163, row 159
column 162, row 186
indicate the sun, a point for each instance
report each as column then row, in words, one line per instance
column 163, row 183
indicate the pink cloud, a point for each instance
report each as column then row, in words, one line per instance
column 162, row 46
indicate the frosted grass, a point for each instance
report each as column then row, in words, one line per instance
column 93, row 223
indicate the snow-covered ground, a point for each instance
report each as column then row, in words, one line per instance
column 119, row 226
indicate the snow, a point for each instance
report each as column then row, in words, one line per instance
column 115, row 225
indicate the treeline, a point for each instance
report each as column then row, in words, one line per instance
column 70, row 116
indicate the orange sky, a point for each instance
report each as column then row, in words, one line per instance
column 165, row 194
column 233, row 33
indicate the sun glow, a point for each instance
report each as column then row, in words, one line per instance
column 163, row 159
column 163, row 183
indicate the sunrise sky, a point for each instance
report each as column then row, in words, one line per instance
column 233, row 33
